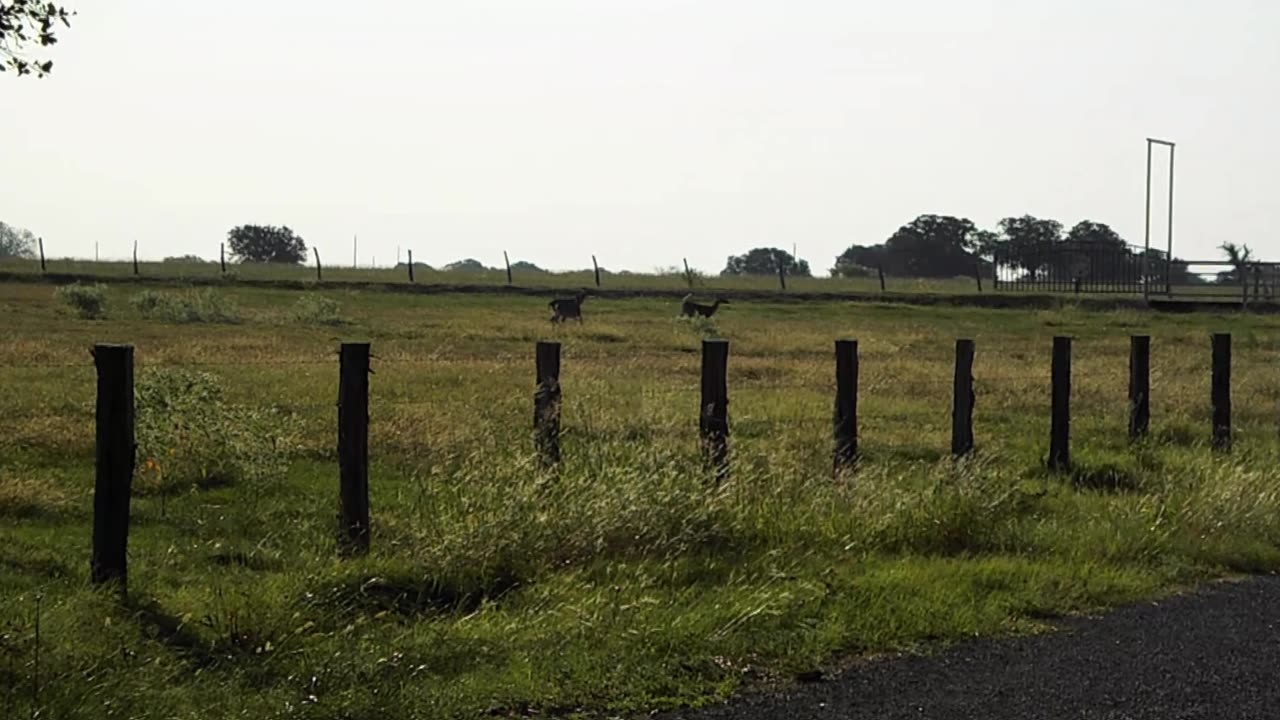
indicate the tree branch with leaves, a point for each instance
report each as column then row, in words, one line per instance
column 27, row 23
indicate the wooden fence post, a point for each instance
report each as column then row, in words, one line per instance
column 688, row 274
column 411, row 266
column 596, row 266
column 962, row 400
column 1221, row 392
column 845, row 417
column 713, row 423
column 1139, row 386
column 135, row 257
column 977, row 273
column 507, row 260
column 222, row 256
column 880, row 272
column 353, row 447
column 114, row 461
column 316, row 250
column 43, row 267
column 546, row 403
column 782, row 273
column 1060, row 425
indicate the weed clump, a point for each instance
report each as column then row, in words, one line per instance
column 89, row 301
column 313, row 309
column 197, row 306
column 188, row 435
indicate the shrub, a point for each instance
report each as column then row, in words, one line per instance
column 197, row 306
column 188, row 435
column 89, row 301
column 317, row 310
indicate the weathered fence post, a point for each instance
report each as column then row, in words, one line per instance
column 353, row 447
column 1060, row 425
column 845, row 417
column 43, row 267
column 596, row 266
column 688, row 274
column 546, row 403
column 316, row 250
column 410, row 265
column 1139, row 386
column 114, row 461
column 1221, row 392
column 962, row 400
column 135, row 257
column 507, row 260
column 222, row 256
column 713, row 422
column 977, row 273
column 782, row 272
column 880, row 272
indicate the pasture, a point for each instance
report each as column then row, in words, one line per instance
column 624, row 581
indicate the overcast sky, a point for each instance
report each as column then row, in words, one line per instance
column 642, row 131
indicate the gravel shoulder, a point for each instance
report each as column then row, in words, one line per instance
column 1211, row 653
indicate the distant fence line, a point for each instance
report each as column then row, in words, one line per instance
column 115, row 416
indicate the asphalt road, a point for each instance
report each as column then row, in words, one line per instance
column 1213, row 653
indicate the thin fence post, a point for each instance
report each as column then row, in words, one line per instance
column 688, row 274
column 135, row 257
column 962, row 400
column 410, row 265
column 977, row 273
column 713, row 423
column 1060, row 425
column 114, row 463
column 222, row 256
column 845, row 417
column 1221, row 392
column 43, row 267
column 546, row 403
column 507, row 260
column 596, row 266
column 316, row 250
column 1139, row 386
column 782, row 273
column 880, row 272
column 353, row 447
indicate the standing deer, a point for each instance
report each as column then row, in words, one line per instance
column 565, row 308
column 689, row 308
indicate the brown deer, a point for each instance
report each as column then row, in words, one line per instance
column 566, row 308
column 689, row 308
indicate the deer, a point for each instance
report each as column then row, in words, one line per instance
column 689, row 308
column 565, row 308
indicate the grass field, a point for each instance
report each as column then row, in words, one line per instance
column 625, row 582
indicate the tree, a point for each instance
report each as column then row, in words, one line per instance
column 186, row 259
column 16, row 242
column 29, row 22
column 468, row 265
column 929, row 246
column 765, row 261
column 1240, row 256
column 1088, row 231
column 266, row 243
column 1027, row 242
column 526, row 266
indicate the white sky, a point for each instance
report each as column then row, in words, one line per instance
column 642, row 131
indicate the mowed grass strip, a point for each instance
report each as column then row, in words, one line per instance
column 625, row 582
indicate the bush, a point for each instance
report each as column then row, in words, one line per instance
column 187, row 435
column 196, row 306
column 317, row 310
column 89, row 301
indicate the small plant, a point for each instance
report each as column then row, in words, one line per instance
column 188, row 435
column 704, row 326
column 89, row 301
column 197, row 306
column 314, row 309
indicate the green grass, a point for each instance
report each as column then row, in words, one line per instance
column 624, row 582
